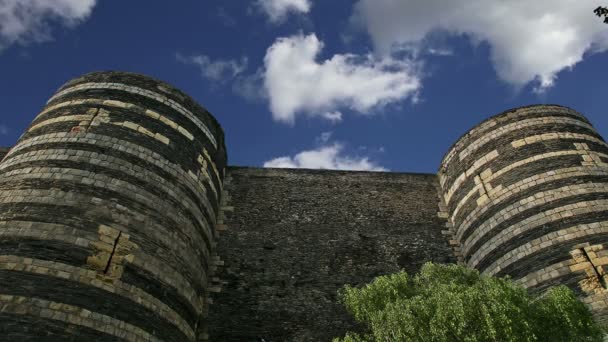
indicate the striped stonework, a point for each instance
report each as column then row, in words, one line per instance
column 108, row 211
column 527, row 194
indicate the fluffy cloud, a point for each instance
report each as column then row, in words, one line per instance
column 529, row 40
column 23, row 21
column 328, row 157
column 277, row 10
column 297, row 83
column 216, row 70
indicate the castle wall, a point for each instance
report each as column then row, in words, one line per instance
column 108, row 206
column 292, row 238
column 527, row 195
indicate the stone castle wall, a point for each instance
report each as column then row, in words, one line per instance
column 108, row 206
column 527, row 195
column 292, row 238
column 120, row 221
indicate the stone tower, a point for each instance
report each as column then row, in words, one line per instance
column 527, row 196
column 108, row 205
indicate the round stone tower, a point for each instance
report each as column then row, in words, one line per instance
column 108, row 210
column 527, row 196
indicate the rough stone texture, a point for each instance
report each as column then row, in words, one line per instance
column 108, row 208
column 527, row 196
column 294, row 237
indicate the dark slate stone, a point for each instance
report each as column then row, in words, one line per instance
column 297, row 236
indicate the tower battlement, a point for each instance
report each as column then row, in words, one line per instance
column 120, row 220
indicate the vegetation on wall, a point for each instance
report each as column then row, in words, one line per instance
column 455, row 303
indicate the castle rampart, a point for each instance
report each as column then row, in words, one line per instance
column 119, row 220
column 527, row 195
column 108, row 206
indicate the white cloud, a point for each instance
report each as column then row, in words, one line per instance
column 328, row 157
column 297, row 83
column 277, row 10
column 23, row 21
column 219, row 70
column 334, row 116
column 529, row 40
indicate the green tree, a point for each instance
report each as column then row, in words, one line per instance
column 602, row 12
column 455, row 303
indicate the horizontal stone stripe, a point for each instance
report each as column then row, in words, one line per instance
column 75, row 286
column 116, row 168
column 554, row 136
column 173, row 280
column 507, row 169
column 546, row 241
column 132, row 197
column 140, row 135
column 23, row 322
column 536, row 198
column 44, row 249
column 59, row 243
column 162, row 173
column 571, row 280
column 553, row 225
column 515, row 115
column 148, row 282
column 470, row 172
column 517, row 196
column 544, row 274
column 507, row 195
column 65, row 118
column 559, row 251
column 194, row 274
column 86, row 231
column 144, row 92
column 531, row 222
column 76, row 243
column 503, row 145
column 519, row 125
column 57, row 231
column 184, row 156
column 74, row 315
column 167, row 119
column 133, row 108
column 124, row 150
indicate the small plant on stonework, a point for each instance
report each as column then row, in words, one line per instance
column 455, row 303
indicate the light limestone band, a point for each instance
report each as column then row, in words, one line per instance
column 531, row 202
column 492, row 176
column 127, row 147
column 542, row 178
column 517, row 113
column 74, row 315
column 92, row 278
column 546, row 242
column 143, row 92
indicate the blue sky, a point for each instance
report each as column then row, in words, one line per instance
column 367, row 84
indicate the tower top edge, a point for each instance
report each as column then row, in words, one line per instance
column 448, row 154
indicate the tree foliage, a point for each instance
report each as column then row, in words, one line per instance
column 454, row 303
column 602, row 12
